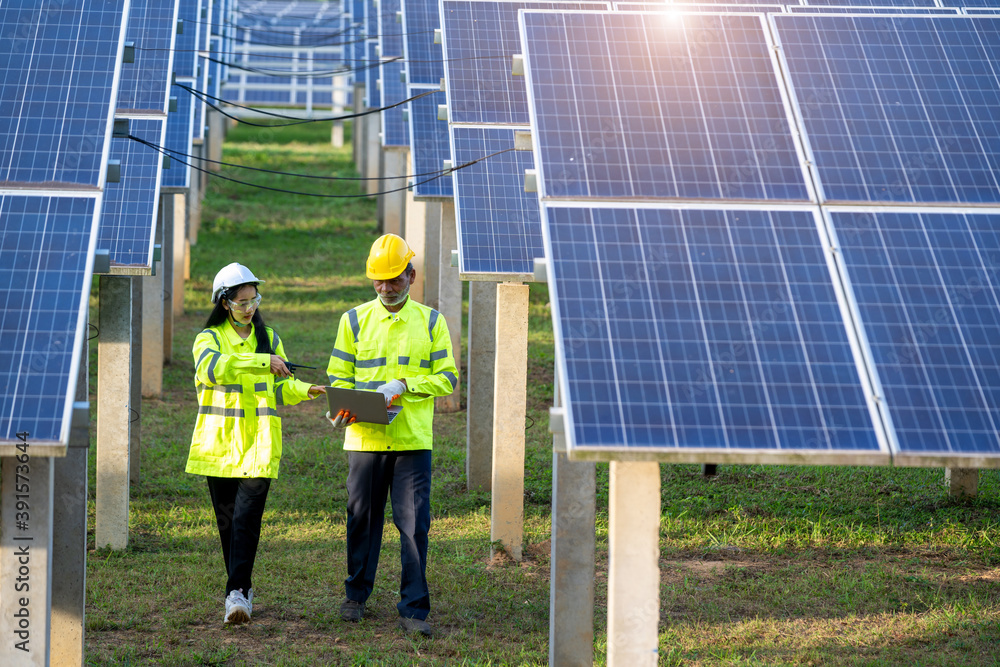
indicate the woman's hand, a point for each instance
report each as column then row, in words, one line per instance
column 279, row 368
column 316, row 390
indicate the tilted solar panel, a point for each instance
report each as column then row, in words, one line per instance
column 890, row 3
column 390, row 34
column 480, row 40
column 178, row 139
column 685, row 332
column 58, row 76
column 927, row 288
column 839, row 9
column 691, row 7
column 186, row 44
column 151, row 28
column 394, row 128
column 424, row 60
column 499, row 225
column 898, row 108
column 46, row 251
column 373, row 96
column 128, row 210
column 659, row 106
column 429, row 145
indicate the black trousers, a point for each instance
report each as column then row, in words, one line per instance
column 406, row 478
column 239, row 508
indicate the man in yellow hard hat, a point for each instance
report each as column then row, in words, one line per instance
column 402, row 349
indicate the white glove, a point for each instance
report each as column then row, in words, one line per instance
column 342, row 420
column 392, row 390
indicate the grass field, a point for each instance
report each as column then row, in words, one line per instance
column 760, row 565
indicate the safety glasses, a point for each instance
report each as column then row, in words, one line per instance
column 247, row 305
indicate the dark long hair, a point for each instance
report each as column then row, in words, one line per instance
column 219, row 315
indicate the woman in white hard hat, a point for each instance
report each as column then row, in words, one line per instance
column 241, row 378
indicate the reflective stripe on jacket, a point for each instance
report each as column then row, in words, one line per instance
column 374, row 346
column 238, row 432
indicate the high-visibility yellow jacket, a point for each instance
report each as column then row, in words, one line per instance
column 238, row 432
column 374, row 346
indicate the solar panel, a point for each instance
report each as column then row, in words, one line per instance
column 46, row 252
column 836, row 9
column 684, row 332
column 128, row 210
column 178, row 138
column 58, row 76
column 429, row 145
column 898, row 109
column 499, row 226
column 927, row 287
column 186, row 43
column 390, row 33
column 480, row 39
column 372, row 93
column 878, row 3
column 424, row 60
column 371, row 19
column 151, row 27
column 993, row 9
column 659, row 106
column 394, row 129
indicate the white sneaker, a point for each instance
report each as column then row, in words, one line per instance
column 238, row 608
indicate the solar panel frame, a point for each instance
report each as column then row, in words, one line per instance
column 44, row 315
column 390, row 35
column 844, row 421
column 152, row 27
column 862, row 9
column 928, row 321
column 499, row 224
column 430, row 145
column 695, row 7
column 899, row 146
column 187, row 43
column 652, row 165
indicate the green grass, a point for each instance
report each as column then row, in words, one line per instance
column 761, row 565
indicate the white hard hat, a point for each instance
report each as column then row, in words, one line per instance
column 230, row 276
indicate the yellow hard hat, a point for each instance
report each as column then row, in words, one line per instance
column 388, row 258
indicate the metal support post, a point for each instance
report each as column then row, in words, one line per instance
column 394, row 203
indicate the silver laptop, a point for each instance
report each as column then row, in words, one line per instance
column 367, row 406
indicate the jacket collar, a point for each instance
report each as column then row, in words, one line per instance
column 403, row 315
column 229, row 331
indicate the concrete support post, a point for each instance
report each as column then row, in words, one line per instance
column 113, row 414
column 962, row 481
column 571, row 581
column 357, row 127
column 179, row 210
column 339, row 102
column 135, row 382
column 195, row 194
column 373, row 147
column 450, row 300
column 69, row 535
column 509, row 399
column 432, row 251
column 26, row 484
column 479, row 386
column 633, row 563
column 416, row 216
column 152, row 332
column 396, row 161
column 166, row 222
column 213, row 139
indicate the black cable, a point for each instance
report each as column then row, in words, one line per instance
column 445, row 172
column 97, row 332
column 204, row 97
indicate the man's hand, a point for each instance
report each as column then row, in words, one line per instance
column 392, row 390
column 279, row 368
column 342, row 420
column 316, row 390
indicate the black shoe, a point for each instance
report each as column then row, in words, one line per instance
column 415, row 625
column 352, row 611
